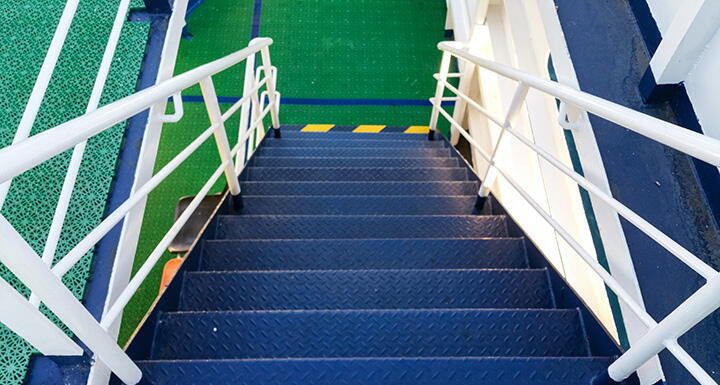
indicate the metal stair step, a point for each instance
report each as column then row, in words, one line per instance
column 359, row 254
column 359, row 226
column 331, row 141
column 369, row 174
column 362, row 205
column 295, row 134
column 366, row 289
column 396, row 371
column 268, row 161
column 386, row 152
column 361, row 188
column 370, row 333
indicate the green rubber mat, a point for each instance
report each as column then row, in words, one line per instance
column 349, row 49
column 324, row 49
column 26, row 28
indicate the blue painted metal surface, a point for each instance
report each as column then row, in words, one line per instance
column 366, row 289
column 387, row 152
column 358, row 227
column 341, row 297
column 347, row 205
column 370, row 333
column 319, row 142
column 361, row 188
column 662, row 185
column 364, row 254
column 396, row 371
column 356, row 162
column 369, row 174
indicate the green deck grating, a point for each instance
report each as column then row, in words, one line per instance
column 328, row 49
column 26, row 28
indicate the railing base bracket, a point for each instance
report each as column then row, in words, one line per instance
column 480, row 203
column 603, row 379
column 431, row 135
column 276, row 131
column 236, row 202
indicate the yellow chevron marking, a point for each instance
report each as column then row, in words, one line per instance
column 317, row 128
column 369, row 129
column 417, row 130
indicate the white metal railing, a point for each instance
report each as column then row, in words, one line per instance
column 661, row 335
column 44, row 282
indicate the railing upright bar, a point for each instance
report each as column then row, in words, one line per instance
column 43, row 80
column 22, row 260
column 213, row 108
column 76, row 159
column 491, row 171
column 245, row 112
column 439, row 90
column 271, row 88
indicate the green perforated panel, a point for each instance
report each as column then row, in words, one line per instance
column 26, row 28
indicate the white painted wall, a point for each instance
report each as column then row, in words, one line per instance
column 702, row 81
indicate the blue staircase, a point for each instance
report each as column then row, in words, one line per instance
column 361, row 259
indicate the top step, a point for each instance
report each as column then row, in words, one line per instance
column 354, row 142
column 351, row 135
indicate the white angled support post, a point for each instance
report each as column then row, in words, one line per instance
column 698, row 306
column 213, row 108
column 491, row 172
column 439, row 90
column 248, row 86
column 271, row 75
column 22, row 260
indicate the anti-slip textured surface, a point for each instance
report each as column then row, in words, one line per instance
column 367, row 289
column 329, row 276
column 26, row 28
column 396, row 371
column 363, row 254
column 370, row 333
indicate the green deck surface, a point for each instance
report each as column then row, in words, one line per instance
column 329, row 49
column 26, row 28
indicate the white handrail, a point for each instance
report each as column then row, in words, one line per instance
column 679, row 138
column 662, row 335
column 32, row 151
column 46, row 280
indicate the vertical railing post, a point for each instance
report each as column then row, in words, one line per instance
column 248, row 85
column 271, row 88
column 439, row 91
column 491, row 172
column 213, row 108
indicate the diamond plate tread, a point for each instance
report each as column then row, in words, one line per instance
column 366, row 289
column 390, row 371
column 329, row 141
column 370, row 333
column 370, row 174
column 360, row 188
column 386, row 152
column 359, row 226
column 294, row 134
column 364, row 205
column 266, row 161
column 359, row 254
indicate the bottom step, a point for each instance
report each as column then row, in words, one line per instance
column 394, row 371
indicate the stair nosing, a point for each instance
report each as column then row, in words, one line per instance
column 332, row 271
column 415, row 310
column 383, row 358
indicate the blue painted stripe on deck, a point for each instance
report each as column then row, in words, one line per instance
column 329, row 102
column 257, row 13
